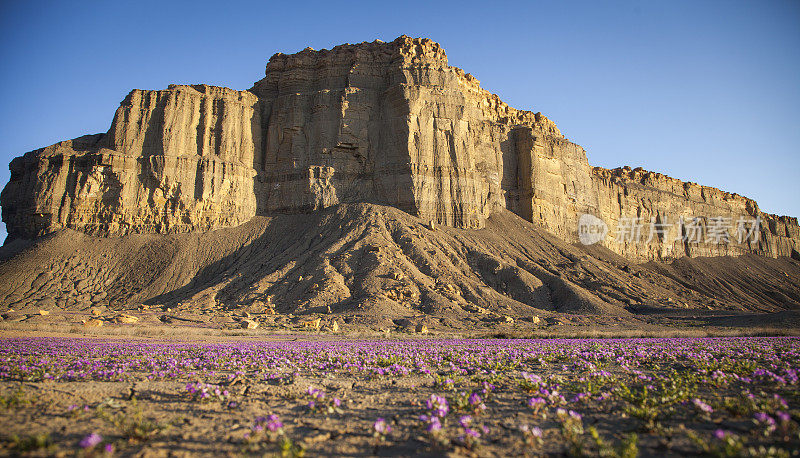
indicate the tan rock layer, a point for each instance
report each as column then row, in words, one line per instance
column 388, row 123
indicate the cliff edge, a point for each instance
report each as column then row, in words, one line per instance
column 382, row 123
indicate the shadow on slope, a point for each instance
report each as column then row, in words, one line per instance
column 379, row 264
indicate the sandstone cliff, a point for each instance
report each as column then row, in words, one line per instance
column 173, row 161
column 389, row 123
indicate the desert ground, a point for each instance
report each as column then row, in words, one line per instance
column 198, row 391
column 362, row 331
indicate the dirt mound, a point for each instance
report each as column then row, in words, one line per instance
column 379, row 267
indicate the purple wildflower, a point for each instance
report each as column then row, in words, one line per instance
column 274, row 423
column 702, row 406
column 433, row 424
column 474, row 399
column 438, row 405
column 535, row 403
column 381, row 427
column 472, row 433
column 91, row 440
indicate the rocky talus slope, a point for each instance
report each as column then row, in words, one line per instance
column 364, row 264
column 371, row 177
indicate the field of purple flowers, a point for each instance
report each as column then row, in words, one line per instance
column 610, row 397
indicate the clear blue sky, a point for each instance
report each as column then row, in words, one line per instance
column 704, row 91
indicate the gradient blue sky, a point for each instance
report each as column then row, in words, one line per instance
column 706, row 91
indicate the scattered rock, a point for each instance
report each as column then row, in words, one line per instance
column 476, row 309
column 313, row 324
column 126, row 319
column 400, row 294
column 249, row 324
column 93, row 323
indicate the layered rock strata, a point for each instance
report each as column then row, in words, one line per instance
column 389, row 123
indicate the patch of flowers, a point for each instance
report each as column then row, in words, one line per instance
column 319, row 402
column 204, row 392
column 471, row 433
column 268, row 431
column 469, row 403
column 560, row 389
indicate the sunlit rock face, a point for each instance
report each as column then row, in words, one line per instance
column 173, row 161
column 389, row 123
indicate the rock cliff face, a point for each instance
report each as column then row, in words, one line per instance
column 389, row 123
column 172, row 161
